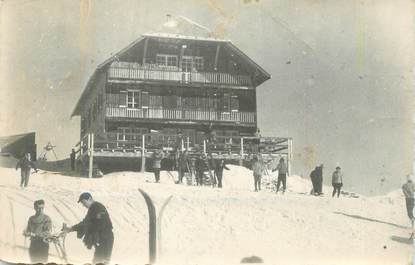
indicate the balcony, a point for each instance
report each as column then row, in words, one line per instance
column 133, row 71
column 179, row 114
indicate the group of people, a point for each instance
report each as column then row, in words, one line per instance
column 203, row 165
column 316, row 177
column 95, row 230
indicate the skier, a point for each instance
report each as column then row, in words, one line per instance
column 337, row 181
column 219, row 166
column 157, row 157
column 95, row 228
column 25, row 164
column 282, row 175
column 408, row 190
column 72, row 157
column 257, row 169
column 38, row 228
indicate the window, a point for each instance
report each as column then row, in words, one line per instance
column 166, row 60
column 122, row 133
column 191, row 63
column 133, row 99
column 198, row 63
column 187, row 64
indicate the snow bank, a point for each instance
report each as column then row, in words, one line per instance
column 202, row 225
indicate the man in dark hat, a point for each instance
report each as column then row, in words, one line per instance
column 38, row 228
column 95, row 229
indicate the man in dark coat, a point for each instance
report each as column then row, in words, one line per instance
column 319, row 178
column 219, row 166
column 200, row 167
column 73, row 156
column 313, row 177
column 25, row 164
column 95, row 229
column 38, row 228
column 183, row 165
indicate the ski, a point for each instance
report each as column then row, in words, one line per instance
column 152, row 234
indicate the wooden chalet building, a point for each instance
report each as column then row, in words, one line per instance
column 165, row 85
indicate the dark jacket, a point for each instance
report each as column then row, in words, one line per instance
column 25, row 164
column 408, row 189
column 219, row 166
column 183, row 161
column 95, row 227
column 203, row 164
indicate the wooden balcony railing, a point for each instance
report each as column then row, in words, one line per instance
column 178, row 114
column 143, row 73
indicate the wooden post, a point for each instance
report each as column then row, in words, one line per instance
column 91, row 153
column 216, row 57
column 242, row 152
column 143, row 153
column 204, row 146
column 182, row 143
column 81, row 147
column 188, row 144
column 289, row 156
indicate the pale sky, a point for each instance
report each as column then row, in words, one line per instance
column 341, row 86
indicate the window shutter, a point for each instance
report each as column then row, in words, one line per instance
column 122, row 99
column 225, row 101
column 234, row 103
column 144, row 100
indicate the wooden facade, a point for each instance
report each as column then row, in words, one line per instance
column 162, row 86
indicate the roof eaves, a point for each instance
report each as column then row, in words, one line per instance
column 182, row 37
column 77, row 109
column 118, row 54
column 262, row 70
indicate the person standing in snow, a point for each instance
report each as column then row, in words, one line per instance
column 282, row 175
column 25, row 165
column 72, row 157
column 38, row 228
column 257, row 169
column 408, row 190
column 313, row 177
column 95, row 229
column 182, row 165
column 337, row 181
column 219, row 166
column 319, row 179
column 157, row 158
column 199, row 168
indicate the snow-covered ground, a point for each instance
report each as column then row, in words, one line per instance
column 202, row 225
